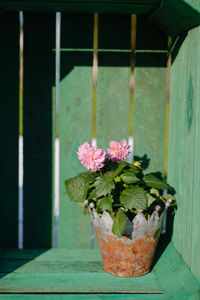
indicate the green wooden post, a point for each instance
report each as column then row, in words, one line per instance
column 9, row 123
column 75, row 121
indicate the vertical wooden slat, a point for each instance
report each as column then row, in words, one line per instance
column 150, row 94
column 113, row 83
column 183, row 164
column 39, row 79
column 75, row 121
column 9, row 123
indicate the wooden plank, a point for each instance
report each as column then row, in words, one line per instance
column 113, row 83
column 182, row 144
column 150, row 95
column 65, row 271
column 82, row 297
column 40, row 266
column 60, row 254
column 195, row 266
column 85, row 282
column 75, row 122
column 9, row 123
column 103, row 6
column 174, row 277
column 169, row 275
column 38, row 153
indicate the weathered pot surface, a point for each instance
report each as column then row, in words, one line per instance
column 132, row 254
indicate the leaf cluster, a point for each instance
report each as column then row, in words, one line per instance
column 119, row 188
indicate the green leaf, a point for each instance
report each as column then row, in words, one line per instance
column 150, row 198
column 134, row 197
column 89, row 176
column 154, row 182
column 105, row 203
column 104, row 186
column 119, row 167
column 135, row 169
column 119, row 223
column 92, row 194
column 77, row 188
column 129, row 177
column 168, row 196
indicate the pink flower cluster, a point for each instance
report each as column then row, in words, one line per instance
column 94, row 158
column 91, row 157
column 118, row 151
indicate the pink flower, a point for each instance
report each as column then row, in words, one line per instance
column 92, row 158
column 118, row 151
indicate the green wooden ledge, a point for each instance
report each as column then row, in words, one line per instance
column 78, row 274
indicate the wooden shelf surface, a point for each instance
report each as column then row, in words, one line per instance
column 78, row 274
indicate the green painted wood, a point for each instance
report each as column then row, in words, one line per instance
column 113, row 83
column 51, row 254
column 150, row 96
column 103, row 6
column 79, row 276
column 175, row 17
column 80, row 271
column 183, row 144
column 82, row 297
column 174, row 277
column 194, row 3
column 75, row 123
column 195, row 266
column 84, row 282
column 38, row 155
column 9, row 123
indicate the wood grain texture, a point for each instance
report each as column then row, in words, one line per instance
column 38, row 153
column 183, row 148
column 195, row 266
column 75, row 123
column 81, row 271
column 174, row 277
column 113, row 83
column 150, row 96
column 9, row 123
column 76, row 283
column 79, row 274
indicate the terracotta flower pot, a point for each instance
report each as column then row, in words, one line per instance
column 132, row 254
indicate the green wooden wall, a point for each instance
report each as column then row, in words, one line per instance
column 184, row 145
column 104, row 108
column 107, row 100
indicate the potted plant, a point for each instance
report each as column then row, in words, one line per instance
column 127, row 207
